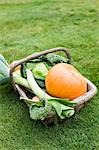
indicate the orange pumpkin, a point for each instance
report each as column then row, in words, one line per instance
column 64, row 81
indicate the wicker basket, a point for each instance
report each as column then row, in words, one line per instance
column 81, row 101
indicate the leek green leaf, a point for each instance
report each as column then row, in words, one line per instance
column 31, row 102
column 63, row 111
column 63, row 101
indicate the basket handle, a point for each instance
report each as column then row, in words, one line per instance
column 33, row 56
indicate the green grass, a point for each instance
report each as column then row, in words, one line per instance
column 28, row 26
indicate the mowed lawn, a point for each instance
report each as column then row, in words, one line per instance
column 28, row 26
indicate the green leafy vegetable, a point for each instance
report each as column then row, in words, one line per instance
column 40, row 71
column 38, row 113
column 53, row 59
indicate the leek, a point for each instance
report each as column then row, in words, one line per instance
column 20, row 80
